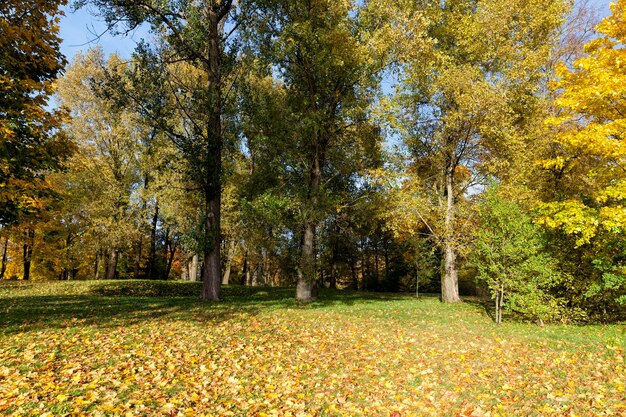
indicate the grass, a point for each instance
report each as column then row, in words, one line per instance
column 153, row 348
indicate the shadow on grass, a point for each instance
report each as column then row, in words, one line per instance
column 482, row 303
column 123, row 303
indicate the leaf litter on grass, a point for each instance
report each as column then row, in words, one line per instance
column 373, row 355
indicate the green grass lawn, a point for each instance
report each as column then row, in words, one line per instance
column 152, row 348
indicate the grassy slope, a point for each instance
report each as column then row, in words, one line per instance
column 136, row 348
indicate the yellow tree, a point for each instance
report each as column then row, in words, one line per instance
column 590, row 134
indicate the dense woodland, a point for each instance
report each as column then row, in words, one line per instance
column 468, row 147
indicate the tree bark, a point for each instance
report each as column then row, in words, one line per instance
column 193, row 268
column 212, row 269
column 417, row 279
column 5, row 249
column 28, row 252
column 229, row 261
column 96, row 266
column 138, row 258
column 151, row 269
column 112, row 265
column 171, row 252
column 144, row 204
column 334, row 269
column 450, row 279
column 306, row 270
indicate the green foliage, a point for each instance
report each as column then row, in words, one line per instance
column 509, row 255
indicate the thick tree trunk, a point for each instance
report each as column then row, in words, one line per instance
column 306, row 289
column 212, row 269
column 112, row 265
column 450, row 279
column 28, row 252
column 5, row 249
column 212, row 276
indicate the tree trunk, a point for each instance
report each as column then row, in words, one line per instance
column 138, row 258
column 112, row 265
column 450, row 279
column 193, row 268
column 255, row 275
column 306, row 270
column 417, row 279
column 334, row 269
column 28, row 252
column 144, row 205
column 97, row 266
column 355, row 277
column 151, row 270
column 229, row 261
column 5, row 249
column 386, row 257
column 306, row 289
column 164, row 273
column 171, row 253
column 212, row 276
column 212, row 269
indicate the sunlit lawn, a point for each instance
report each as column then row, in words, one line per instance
column 138, row 348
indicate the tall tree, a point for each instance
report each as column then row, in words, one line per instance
column 190, row 32
column 321, row 53
column 462, row 101
column 31, row 141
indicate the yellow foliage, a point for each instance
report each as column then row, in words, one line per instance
column 591, row 129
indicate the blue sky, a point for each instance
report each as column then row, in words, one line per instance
column 81, row 30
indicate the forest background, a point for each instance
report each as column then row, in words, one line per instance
column 464, row 147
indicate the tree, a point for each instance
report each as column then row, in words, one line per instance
column 106, row 167
column 31, row 141
column 462, row 101
column 322, row 55
column 190, row 33
column 511, row 259
column 590, row 154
